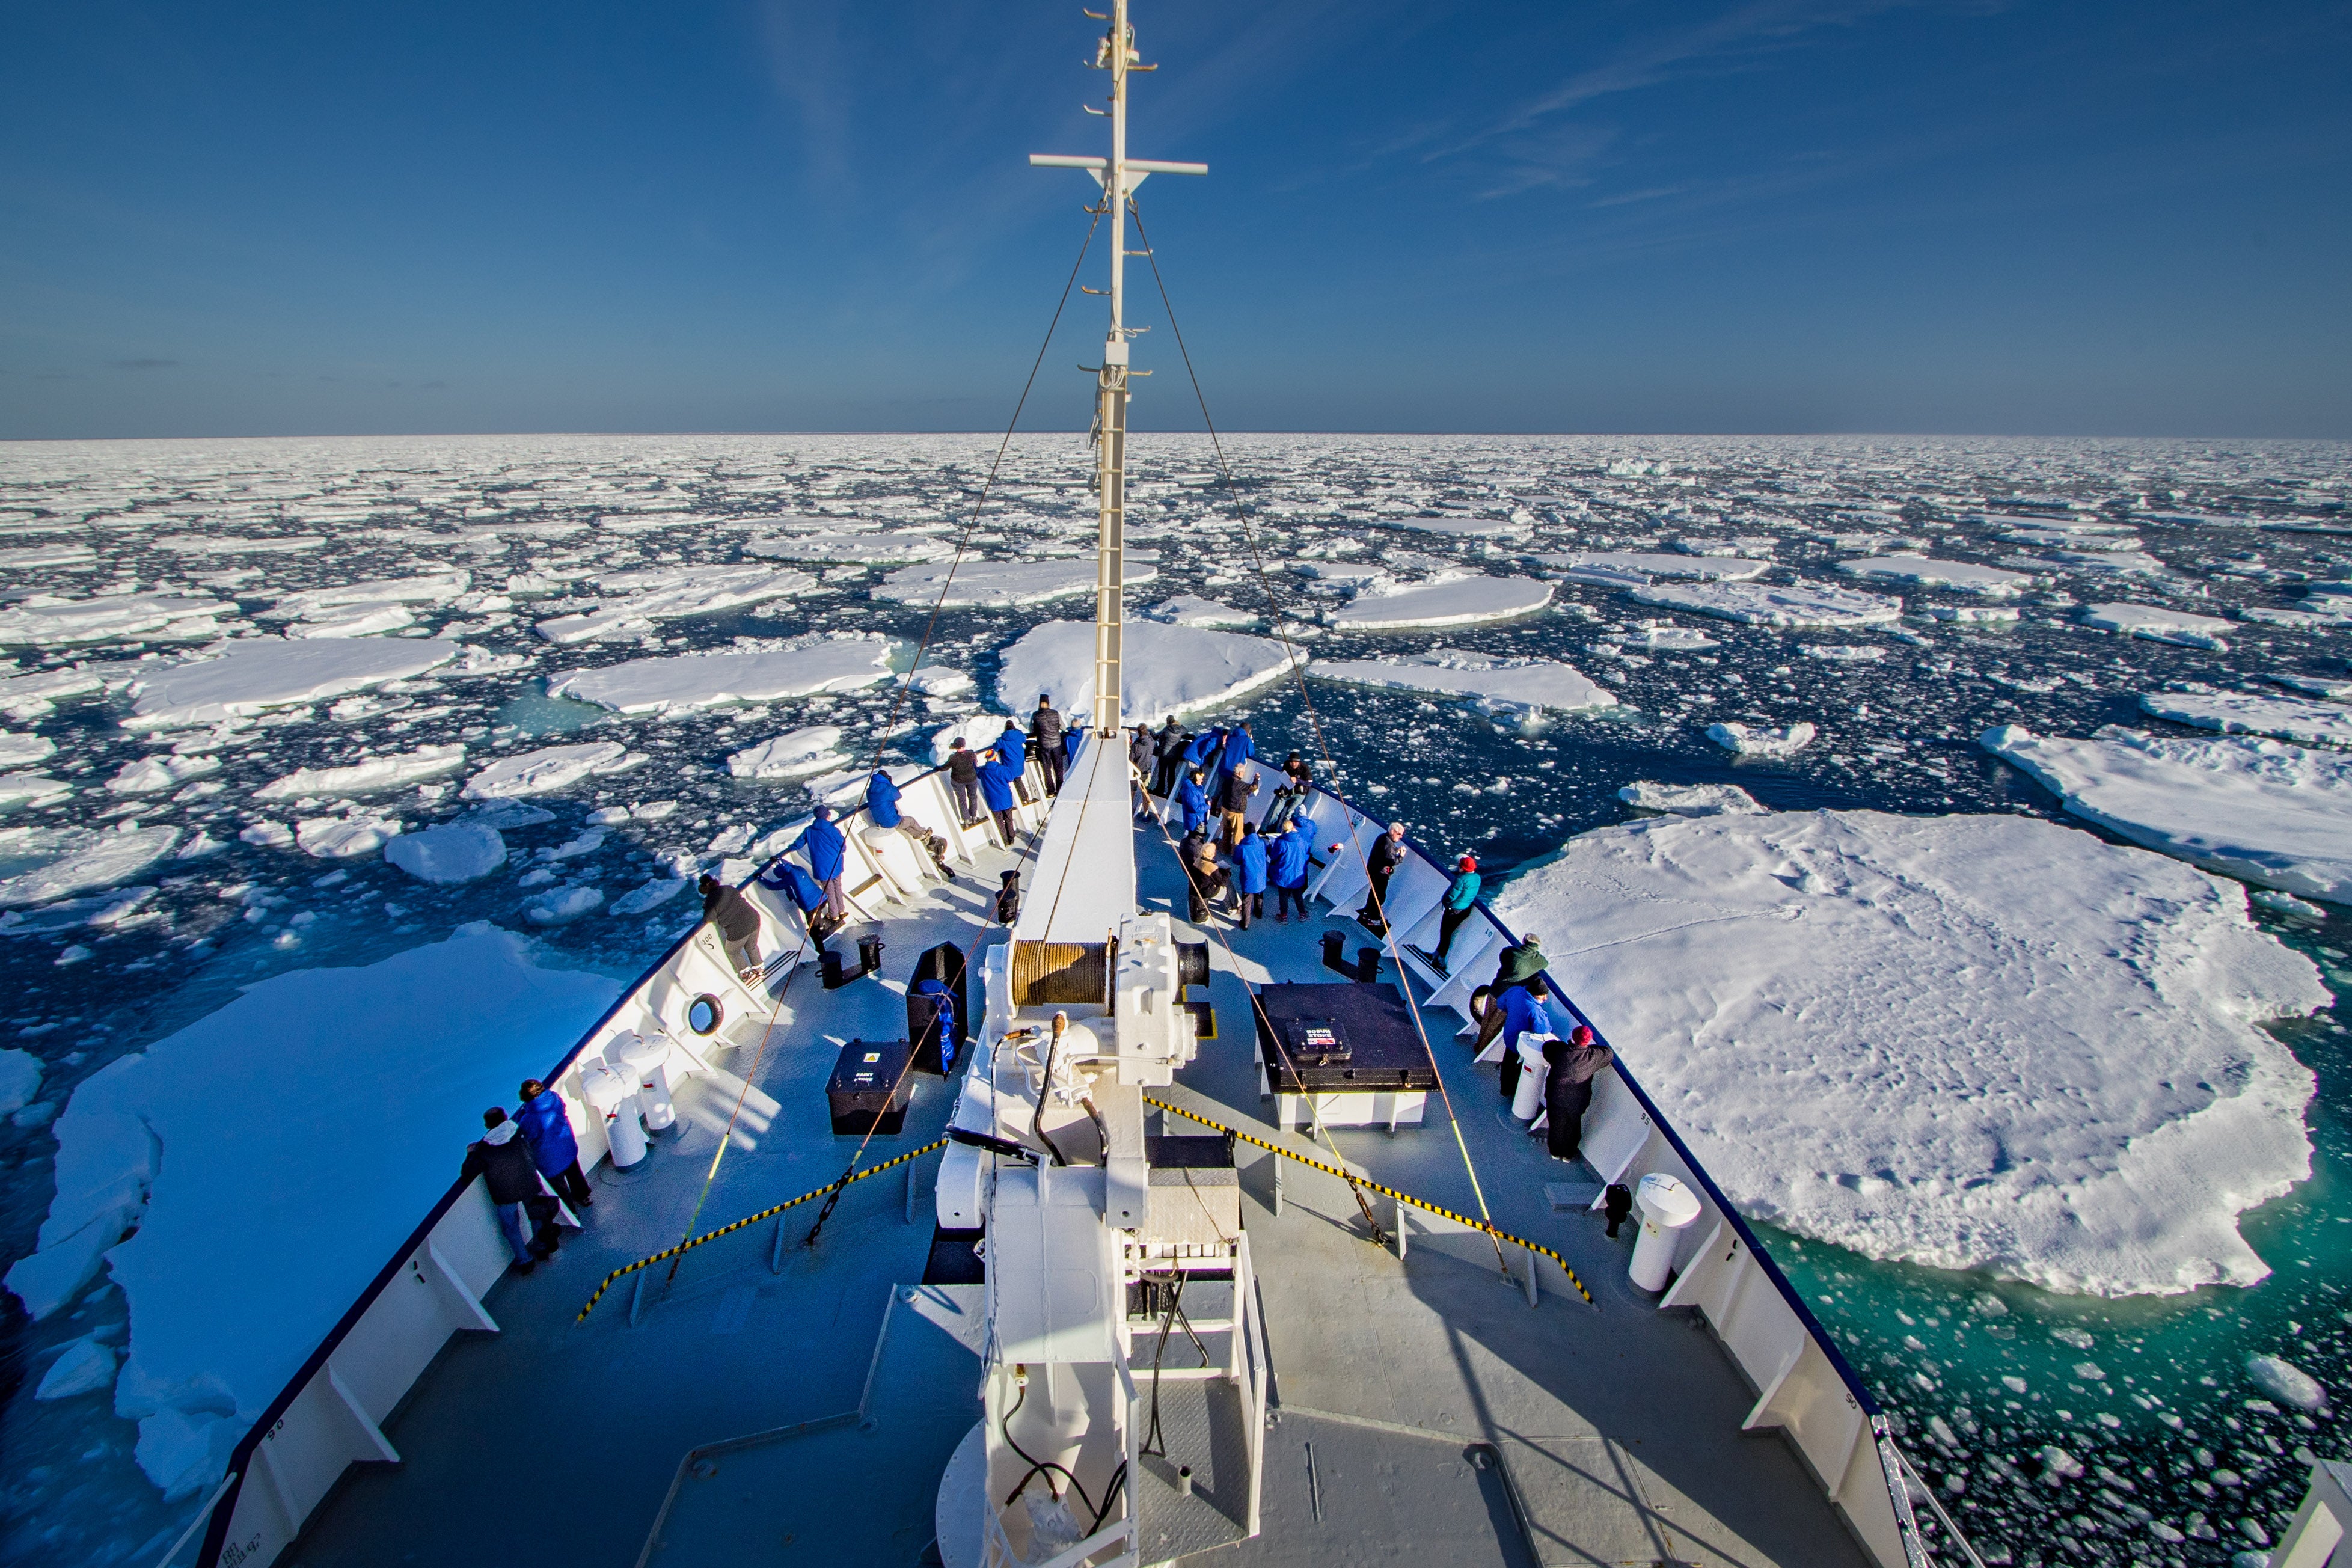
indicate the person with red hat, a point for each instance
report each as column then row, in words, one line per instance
column 1568, row 1088
column 1460, row 900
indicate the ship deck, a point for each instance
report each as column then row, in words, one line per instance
column 821, row 1391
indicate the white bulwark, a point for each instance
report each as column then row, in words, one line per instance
column 1082, row 884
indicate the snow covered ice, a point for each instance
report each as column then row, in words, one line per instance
column 710, row 679
column 546, row 770
column 1166, row 668
column 2158, row 625
column 1000, row 585
column 1496, row 685
column 1453, row 602
column 1689, row 800
column 815, row 749
column 1967, row 575
column 1757, row 741
column 1909, row 1035
column 1763, row 605
column 2242, row 713
column 239, row 679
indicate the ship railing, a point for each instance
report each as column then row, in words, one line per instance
column 1805, row 1388
column 329, row 1415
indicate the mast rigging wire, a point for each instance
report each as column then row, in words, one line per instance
column 1315, row 720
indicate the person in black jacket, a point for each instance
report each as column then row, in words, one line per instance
column 1168, row 755
column 963, row 777
column 1233, row 791
column 1568, row 1088
column 1045, row 737
column 1387, row 854
column 503, row 1158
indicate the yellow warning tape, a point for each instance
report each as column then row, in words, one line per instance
column 1346, row 1175
column 750, row 1219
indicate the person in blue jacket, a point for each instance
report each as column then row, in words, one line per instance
column 1523, row 1009
column 882, row 795
column 1012, row 749
column 1461, row 900
column 1239, row 747
column 1192, row 798
column 547, row 1128
column 1287, row 872
column 784, row 876
column 827, row 851
column 997, row 778
column 1206, row 745
column 1249, row 874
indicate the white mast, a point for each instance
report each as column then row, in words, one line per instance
column 1119, row 176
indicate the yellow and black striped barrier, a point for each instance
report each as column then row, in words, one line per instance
column 1350, row 1176
column 627, row 1269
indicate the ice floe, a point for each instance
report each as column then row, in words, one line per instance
column 1967, row 577
column 813, row 749
column 2275, row 815
column 31, row 789
column 2157, row 624
column 1761, row 605
column 16, row 750
column 999, row 585
column 1448, row 602
column 1930, row 1038
column 78, row 859
column 1760, row 740
column 2244, row 713
column 231, row 1276
column 1166, row 669
column 238, row 680
column 548, row 769
column 152, row 776
column 875, row 549
column 26, row 697
column 393, row 771
column 637, row 600
column 1689, row 800
column 344, row 838
column 708, row 679
column 459, row 851
column 1629, row 568
column 1494, row 684
column 1191, row 610
column 47, row 620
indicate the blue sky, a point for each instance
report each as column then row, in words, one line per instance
column 1775, row 216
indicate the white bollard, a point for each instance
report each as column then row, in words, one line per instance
column 1667, row 1208
column 1528, row 1100
column 645, row 1062
column 609, row 1095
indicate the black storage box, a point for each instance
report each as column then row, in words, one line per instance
column 870, row 1087
column 944, row 964
column 1333, row 1038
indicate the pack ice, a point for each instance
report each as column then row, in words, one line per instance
column 1450, row 601
column 999, row 585
column 1967, row 577
column 2158, row 625
column 1762, row 604
column 2269, row 813
column 549, row 769
column 708, row 679
column 1166, row 669
column 49, row 620
column 637, row 600
column 1967, row 1042
column 2242, row 713
column 70, row 860
column 238, row 680
column 257, row 1224
column 1498, row 685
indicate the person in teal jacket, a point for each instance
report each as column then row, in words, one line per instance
column 1461, row 898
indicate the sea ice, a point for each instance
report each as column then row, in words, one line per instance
column 237, row 679
column 813, row 749
column 1191, row 610
column 151, row 775
column 46, row 620
column 1758, row 605
column 1628, row 568
column 999, row 585
column 343, row 838
column 2283, row 1380
column 1965, row 575
column 2266, row 812
column 1667, row 635
column 31, row 789
column 16, row 750
column 1757, row 741
column 376, row 774
column 651, row 895
column 561, row 906
column 1982, row 615
column 26, row 697
column 708, row 679
column 874, row 548
column 20, row 1079
column 1449, row 602
column 1967, row 1042
column 232, row 1277
column 1166, row 669
column 80, row 859
column 2242, row 713
column 640, row 599
column 84, row 1366
column 2335, row 688
column 1690, row 800
column 2158, row 625
column 1496, row 685
column 457, row 852
column 546, row 770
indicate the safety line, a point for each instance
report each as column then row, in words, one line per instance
column 1487, row 1226
column 669, row 1252
column 1299, row 674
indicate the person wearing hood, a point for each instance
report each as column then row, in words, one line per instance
column 1522, row 1010
column 1387, row 854
column 963, row 779
column 1249, row 874
column 1233, row 791
column 997, row 780
column 1192, row 802
column 1203, row 747
column 1519, row 963
column 547, row 1128
column 828, row 853
column 1568, row 1088
column 1289, row 856
column 1010, row 748
column 738, row 919
column 1237, row 750
column 1045, row 734
column 1167, row 756
column 503, row 1161
column 1139, row 762
column 1461, row 902
column 882, row 797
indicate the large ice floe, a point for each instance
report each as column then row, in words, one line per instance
column 459, row 851
column 238, row 680
column 1631, row 568
column 256, row 1224
column 549, row 769
column 1166, row 669
column 2158, row 625
column 871, row 549
column 634, row 602
column 1762, row 740
column 694, row 680
column 1496, row 684
column 999, row 585
column 1763, row 605
column 1967, row 577
column 391, row 770
column 48, row 620
column 1970, row 1042
column 2269, row 813
column 64, row 862
column 1449, row 601
column 815, row 749
column 2244, row 713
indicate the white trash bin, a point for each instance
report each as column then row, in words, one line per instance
column 1528, row 1100
column 1667, row 1208
column 644, row 1061
column 613, row 1098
